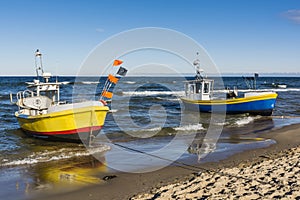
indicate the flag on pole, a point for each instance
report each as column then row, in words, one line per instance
column 107, row 94
column 112, row 79
column 117, row 62
column 122, row 71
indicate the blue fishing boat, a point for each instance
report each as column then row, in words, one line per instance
column 199, row 97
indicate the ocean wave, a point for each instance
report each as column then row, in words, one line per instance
column 246, row 120
column 283, row 90
column 152, row 93
column 84, row 83
column 155, row 129
column 47, row 156
column 263, row 90
column 90, row 82
column 129, row 82
column 190, row 127
column 63, row 83
column 163, row 131
column 221, row 123
column 167, row 99
column 66, row 82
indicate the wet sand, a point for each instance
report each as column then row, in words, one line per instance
column 272, row 172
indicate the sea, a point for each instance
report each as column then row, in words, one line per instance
column 146, row 129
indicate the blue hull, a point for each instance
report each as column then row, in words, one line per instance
column 258, row 107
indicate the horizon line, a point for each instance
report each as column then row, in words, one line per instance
column 234, row 74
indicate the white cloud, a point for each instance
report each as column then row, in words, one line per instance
column 293, row 15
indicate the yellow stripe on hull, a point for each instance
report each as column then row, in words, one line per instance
column 66, row 120
column 232, row 101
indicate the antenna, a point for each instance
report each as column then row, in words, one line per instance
column 251, row 81
column 56, row 71
column 38, row 63
column 196, row 64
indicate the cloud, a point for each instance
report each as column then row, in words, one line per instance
column 293, row 15
column 100, row 30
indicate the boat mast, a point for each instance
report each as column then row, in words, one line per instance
column 38, row 63
column 198, row 69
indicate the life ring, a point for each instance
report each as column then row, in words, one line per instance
column 103, row 102
column 37, row 102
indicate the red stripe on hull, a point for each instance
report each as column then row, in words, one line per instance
column 68, row 132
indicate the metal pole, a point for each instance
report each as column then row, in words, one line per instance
column 91, row 136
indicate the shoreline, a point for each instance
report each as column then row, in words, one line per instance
column 127, row 185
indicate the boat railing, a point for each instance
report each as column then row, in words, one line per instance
column 22, row 95
column 28, row 93
column 25, row 94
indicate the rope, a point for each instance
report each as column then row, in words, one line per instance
column 197, row 168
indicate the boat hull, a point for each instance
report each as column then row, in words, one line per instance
column 77, row 135
column 256, row 105
column 72, row 124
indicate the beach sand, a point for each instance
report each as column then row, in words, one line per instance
column 266, row 173
column 268, row 179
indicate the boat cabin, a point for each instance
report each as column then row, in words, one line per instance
column 46, row 88
column 39, row 96
column 199, row 89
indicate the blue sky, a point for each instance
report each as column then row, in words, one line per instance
column 239, row 35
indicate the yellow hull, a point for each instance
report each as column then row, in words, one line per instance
column 66, row 124
column 233, row 101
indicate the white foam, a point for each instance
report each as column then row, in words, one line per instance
column 285, row 90
column 168, row 99
column 153, row 129
column 65, row 82
column 246, row 120
column 221, row 123
column 113, row 110
column 263, row 90
column 152, row 93
column 21, row 162
column 48, row 156
column 89, row 82
column 190, row 127
column 129, row 82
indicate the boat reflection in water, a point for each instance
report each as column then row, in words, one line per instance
column 79, row 172
column 61, row 176
column 232, row 140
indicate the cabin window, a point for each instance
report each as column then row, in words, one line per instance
column 192, row 89
column 206, row 88
column 198, row 88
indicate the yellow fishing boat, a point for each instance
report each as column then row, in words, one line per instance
column 42, row 114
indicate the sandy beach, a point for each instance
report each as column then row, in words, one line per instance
column 276, row 178
column 271, row 172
